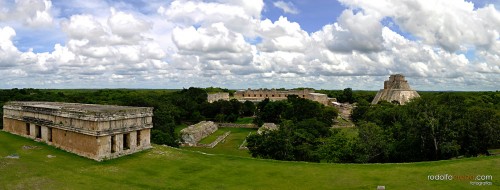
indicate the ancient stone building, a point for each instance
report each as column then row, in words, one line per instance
column 212, row 97
column 396, row 89
column 94, row 131
column 274, row 95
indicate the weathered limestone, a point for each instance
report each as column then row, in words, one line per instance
column 267, row 127
column 194, row 133
column 217, row 96
column 275, row 95
column 396, row 89
column 94, row 131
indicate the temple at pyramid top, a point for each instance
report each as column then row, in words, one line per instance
column 396, row 90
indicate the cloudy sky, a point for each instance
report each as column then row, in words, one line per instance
column 237, row 44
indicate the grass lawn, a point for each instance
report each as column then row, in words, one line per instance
column 178, row 128
column 244, row 120
column 170, row 168
column 230, row 145
column 212, row 137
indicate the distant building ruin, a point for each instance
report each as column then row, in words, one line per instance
column 213, row 97
column 396, row 89
column 274, row 95
column 94, row 131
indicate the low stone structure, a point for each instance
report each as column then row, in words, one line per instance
column 267, row 127
column 318, row 97
column 194, row 133
column 396, row 89
column 275, row 95
column 236, row 125
column 213, row 97
column 94, row 131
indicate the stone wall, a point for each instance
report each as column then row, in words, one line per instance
column 217, row 96
column 276, row 95
column 272, row 94
column 234, row 125
column 194, row 133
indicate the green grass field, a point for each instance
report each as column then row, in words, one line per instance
column 244, row 120
column 229, row 146
column 170, row 168
column 212, row 137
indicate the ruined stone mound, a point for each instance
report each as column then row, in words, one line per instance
column 396, row 89
column 194, row 133
column 267, row 127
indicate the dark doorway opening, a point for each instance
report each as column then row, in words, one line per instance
column 126, row 141
column 38, row 131
column 49, row 134
column 27, row 129
column 138, row 138
column 113, row 144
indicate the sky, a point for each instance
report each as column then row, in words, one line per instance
column 438, row 45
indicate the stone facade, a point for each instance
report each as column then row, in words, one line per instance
column 94, row 131
column 396, row 89
column 194, row 133
column 275, row 95
column 213, row 97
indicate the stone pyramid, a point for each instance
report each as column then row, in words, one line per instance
column 396, row 89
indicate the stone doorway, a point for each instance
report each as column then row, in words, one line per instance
column 38, row 131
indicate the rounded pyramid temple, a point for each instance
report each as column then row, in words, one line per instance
column 396, row 89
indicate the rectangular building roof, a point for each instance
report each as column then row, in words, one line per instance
column 81, row 111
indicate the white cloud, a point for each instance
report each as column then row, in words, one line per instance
column 452, row 25
column 34, row 13
column 282, row 35
column 8, row 52
column 226, row 43
column 287, row 7
column 353, row 32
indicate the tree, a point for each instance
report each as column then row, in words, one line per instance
column 337, row 148
column 347, row 94
column 248, row 108
column 373, row 143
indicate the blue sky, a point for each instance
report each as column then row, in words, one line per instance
column 438, row 45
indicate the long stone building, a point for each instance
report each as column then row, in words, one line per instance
column 396, row 89
column 94, row 131
column 273, row 94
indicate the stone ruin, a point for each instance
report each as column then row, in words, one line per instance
column 94, row 131
column 396, row 89
column 213, row 97
column 194, row 133
column 267, row 127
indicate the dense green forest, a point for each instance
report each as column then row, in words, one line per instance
column 439, row 125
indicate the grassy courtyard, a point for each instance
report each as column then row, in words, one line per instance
column 229, row 146
column 170, row 168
